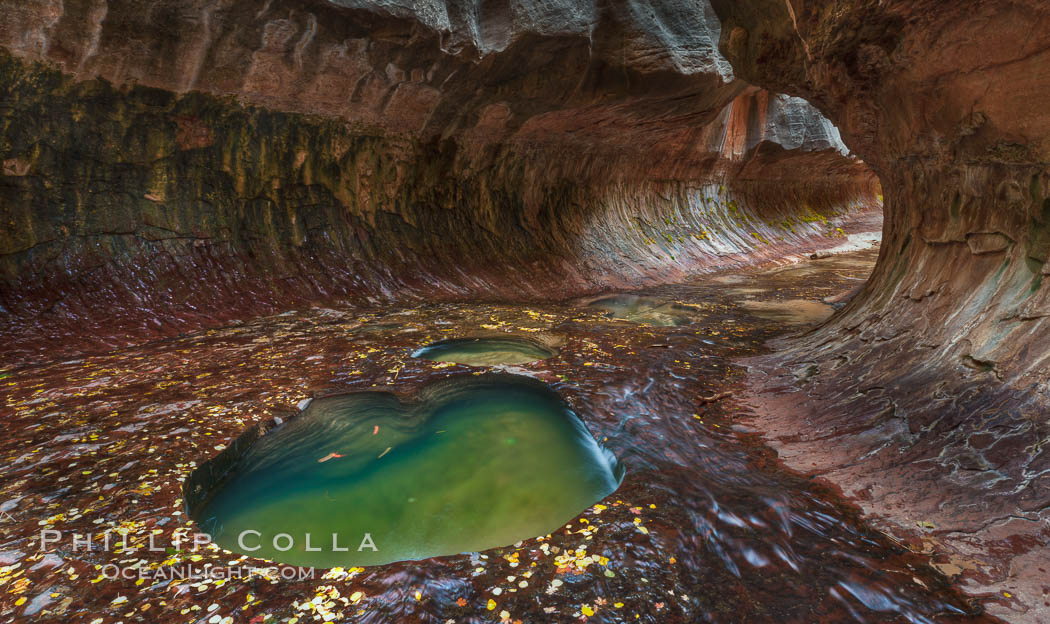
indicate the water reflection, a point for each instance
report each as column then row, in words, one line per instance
column 476, row 463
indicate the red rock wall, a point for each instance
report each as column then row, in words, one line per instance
column 933, row 385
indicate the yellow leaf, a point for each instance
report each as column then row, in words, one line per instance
column 587, row 610
column 491, row 605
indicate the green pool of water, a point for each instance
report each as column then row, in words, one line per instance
column 474, row 463
column 485, row 351
column 645, row 310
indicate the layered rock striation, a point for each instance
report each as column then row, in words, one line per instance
column 927, row 398
column 171, row 165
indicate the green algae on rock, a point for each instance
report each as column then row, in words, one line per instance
column 366, row 479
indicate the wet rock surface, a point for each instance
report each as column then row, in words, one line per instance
column 706, row 525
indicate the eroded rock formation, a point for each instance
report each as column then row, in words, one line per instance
column 928, row 397
column 201, row 161
column 169, row 165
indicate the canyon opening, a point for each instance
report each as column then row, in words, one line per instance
column 524, row 312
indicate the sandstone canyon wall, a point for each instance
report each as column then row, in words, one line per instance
column 169, row 165
column 928, row 396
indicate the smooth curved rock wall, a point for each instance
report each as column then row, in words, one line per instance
column 933, row 385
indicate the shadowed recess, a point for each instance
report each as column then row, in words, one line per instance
column 474, row 463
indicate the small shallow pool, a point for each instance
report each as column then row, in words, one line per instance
column 486, row 351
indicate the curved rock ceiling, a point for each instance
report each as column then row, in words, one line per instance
column 386, row 152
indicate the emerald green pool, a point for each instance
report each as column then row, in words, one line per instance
column 474, row 463
column 485, row 351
